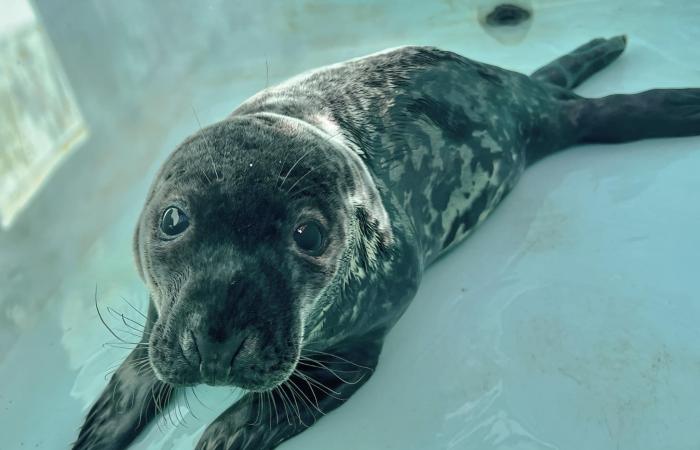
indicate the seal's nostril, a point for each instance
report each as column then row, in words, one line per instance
column 216, row 357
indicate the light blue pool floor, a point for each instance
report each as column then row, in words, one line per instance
column 570, row 320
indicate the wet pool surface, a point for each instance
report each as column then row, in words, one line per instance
column 569, row 320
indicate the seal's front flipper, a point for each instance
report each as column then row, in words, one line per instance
column 131, row 399
column 649, row 114
column 321, row 382
column 573, row 68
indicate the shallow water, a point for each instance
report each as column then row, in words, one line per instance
column 569, row 320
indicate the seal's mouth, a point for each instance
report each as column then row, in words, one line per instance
column 241, row 363
column 256, row 358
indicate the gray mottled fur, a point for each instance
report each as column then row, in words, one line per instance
column 400, row 155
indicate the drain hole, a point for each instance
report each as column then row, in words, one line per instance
column 507, row 15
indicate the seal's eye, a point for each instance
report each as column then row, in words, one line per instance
column 309, row 237
column 174, row 221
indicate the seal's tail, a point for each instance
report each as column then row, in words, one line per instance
column 616, row 118
column 649, row 114
column 573, row 68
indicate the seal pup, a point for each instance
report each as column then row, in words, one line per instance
column 280, row 245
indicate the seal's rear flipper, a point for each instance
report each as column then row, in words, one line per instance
column 649, row 114
column 573, row 68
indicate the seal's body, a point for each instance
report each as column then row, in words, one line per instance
column 280, row 245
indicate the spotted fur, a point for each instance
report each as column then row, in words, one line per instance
column 400, row 155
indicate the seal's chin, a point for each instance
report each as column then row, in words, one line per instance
column 252, row 381
column 263, row 384
column 257, row 372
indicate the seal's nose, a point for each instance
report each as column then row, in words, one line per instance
column 217, row 355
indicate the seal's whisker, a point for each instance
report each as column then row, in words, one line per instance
column 178, row 403
column 134, row 308
column 287, row 152
column 334, row 363
column 111, row 370
column 130, row 331
column 328, row 139
column 142, row 366
column 172, row 409
column 266, row 396
column 333, row 372
column 181, row 421
column 286, row 401
column 274, row 392
column 340, row 358
column 311, row 388
column 295, row 405
column 138, row 329
column 303, row 404
column 261, row 401
column 264, row 399
column 327, row 390
column 211, row 147
column 308, row 400
column 205, row 175
column 120, row 345
column 258, row 403
column 135, row 325
column 299, row 179
column 292, row 194
column 331, row 137
column 187, row 403
column 258, row 400
column 315, row 363
column 274, row 406
column 159, row 397
column 141, row 410
column 155, row 403
column 160, row 406
column 140, row 363
column 132, row 399
column 295, row 164
column 125, row 345
column 99, row 314
column 156, row 410
column 109, row 373
column 112, row 312
column 198, row 399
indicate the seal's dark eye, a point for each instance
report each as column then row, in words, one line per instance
column 309, row 237
column 174, row 221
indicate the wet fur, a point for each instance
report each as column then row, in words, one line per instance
column 401, row 154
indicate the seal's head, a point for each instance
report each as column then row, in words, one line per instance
column 247, row 224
